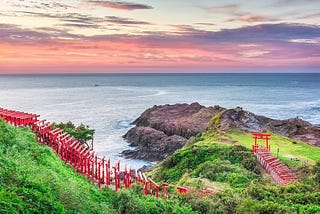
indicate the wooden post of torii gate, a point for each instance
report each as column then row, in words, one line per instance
column 116, row 169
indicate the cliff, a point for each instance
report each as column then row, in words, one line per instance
column 161, row 130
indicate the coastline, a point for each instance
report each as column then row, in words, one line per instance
column 119, row 98
column 161, row 130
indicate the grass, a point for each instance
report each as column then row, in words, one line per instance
column 34, row 180
column 217, row 161
column 224, row 164
column 287, row 147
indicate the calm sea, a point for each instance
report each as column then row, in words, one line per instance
column 110, row 102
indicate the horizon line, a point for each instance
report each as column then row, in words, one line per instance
column 157, row 72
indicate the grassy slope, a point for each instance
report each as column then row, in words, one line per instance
column 34, row 180
column 214, row 161
column 287, row 147
column 211, row 161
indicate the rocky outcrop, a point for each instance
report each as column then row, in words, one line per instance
column 152, row 145
column 243, row 120
column 180, row 119
column 294, row 128
column 161, row 130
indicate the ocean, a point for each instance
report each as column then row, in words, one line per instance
column 108, row 103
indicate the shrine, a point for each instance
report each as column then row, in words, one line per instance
column 260, row 148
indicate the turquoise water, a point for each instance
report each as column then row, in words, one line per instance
column 109, row 102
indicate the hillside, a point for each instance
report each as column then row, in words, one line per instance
column 34, row 180
column 233, row 173
column 161, row 130
column 214, row 163
column 217, row 157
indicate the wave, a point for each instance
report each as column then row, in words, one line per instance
column 68, row 103
column 123, row 124
column 158, row 93
column 138, row 90
column 301, row 105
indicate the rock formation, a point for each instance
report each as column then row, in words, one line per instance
column 152, row 145
column 179, row 119
column 294, row 128
column 161, row 130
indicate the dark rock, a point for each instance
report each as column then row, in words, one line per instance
column 294, row 128
column 161, row 130
column 180, row 119
column 297, row 129
column 240, row 119
column 152, row 145
column 145, row 169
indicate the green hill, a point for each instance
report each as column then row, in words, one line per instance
column 223, row 164
column 34, row 180
column 288, row 148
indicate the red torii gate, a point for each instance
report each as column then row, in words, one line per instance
column 82, row 158
column 261, row 136
column 18, row 118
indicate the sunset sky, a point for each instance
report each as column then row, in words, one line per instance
column 58, row 36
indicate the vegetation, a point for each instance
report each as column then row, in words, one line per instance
column 82, row 132
column 216, row 162
column 34, row 180
column 293, row 152
column 209, row 162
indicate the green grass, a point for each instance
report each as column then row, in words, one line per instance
column 217, row 162
column 235, row 166
column 287, row 147
column 34, row 180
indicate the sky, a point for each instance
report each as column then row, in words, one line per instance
column 83, row 36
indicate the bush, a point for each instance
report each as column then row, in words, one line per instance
column 7, row 134
column 205, row 205
column 316, row 170
column 126, row 203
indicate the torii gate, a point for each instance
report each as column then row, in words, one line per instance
column 261, row 136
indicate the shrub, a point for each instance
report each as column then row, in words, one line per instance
column 316, row 170
column 126, row 203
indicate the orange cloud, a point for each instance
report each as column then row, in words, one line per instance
column 187, row 49
column 82, row 56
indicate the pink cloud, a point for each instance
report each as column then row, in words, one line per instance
column 253, row 18
column 257, row 46
column 121, row 5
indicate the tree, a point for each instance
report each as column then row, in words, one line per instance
column 82, row 132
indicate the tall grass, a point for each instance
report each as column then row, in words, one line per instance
column 34, row 180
